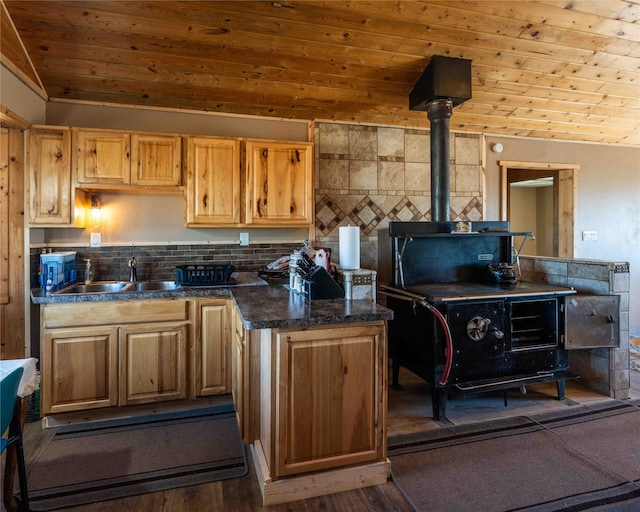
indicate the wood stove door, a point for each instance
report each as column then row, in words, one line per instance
column 478, row 335
column 593, row 321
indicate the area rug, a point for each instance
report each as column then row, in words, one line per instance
column 634, row 354
column 580, row 458
column 111, row 459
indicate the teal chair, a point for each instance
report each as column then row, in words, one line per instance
column 10, row 419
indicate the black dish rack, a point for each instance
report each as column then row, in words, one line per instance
column 205, row 274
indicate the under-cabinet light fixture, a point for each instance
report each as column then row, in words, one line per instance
column 96, row 209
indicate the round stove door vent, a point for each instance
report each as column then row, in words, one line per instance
column 478, row 327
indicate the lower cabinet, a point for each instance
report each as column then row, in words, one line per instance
column 80, row 369
column 152, row 363
column 115, row 353
column 211, row 353
column 326, row 402
column 237, row 371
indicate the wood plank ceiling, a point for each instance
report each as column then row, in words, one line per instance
column 558, row 69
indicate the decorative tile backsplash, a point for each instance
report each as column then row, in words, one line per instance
column 368, row 176
column 159, row 262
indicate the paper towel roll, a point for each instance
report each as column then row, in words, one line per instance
column 349, row 247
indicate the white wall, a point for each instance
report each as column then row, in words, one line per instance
column 544, row 220
column 20, row 99
column 523, row 217
column 608, row 198
column 174, row 121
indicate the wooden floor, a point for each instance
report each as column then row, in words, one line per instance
column 409, row 411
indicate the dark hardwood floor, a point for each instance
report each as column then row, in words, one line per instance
column 409, row 411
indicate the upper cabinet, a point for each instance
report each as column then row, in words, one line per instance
column 228, row 182
column 103, row 157
column 279, row 190
column 155, row 159
column 124, row 160
column 213, row 181
column 51, row 197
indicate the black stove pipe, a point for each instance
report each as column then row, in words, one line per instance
column 439, row 112
column 445, row 83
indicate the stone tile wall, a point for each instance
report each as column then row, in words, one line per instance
column 605, row 370
column 369, row 175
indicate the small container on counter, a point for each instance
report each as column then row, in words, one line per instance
column 358, row 284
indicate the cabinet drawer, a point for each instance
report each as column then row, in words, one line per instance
column 117, row 312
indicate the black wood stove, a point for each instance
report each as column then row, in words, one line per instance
column 460, row 325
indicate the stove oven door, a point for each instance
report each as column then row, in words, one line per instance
column 478, row 335
column 593, row 321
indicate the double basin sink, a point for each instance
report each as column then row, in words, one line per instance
column 119, row 287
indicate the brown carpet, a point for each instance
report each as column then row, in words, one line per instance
column 111, row 459
column 580, row 458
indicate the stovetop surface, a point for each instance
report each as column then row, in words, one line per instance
column 458, row 291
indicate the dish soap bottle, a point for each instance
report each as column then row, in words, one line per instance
column 49, row 285
column 88, row 276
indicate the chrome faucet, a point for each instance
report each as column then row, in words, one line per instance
column 133, row 274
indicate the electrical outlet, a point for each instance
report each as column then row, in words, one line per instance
column 589, row 235
column 96, row 238
column 244, row 238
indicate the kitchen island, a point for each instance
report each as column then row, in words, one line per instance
column 308, row 378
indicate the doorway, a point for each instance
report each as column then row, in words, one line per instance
column 541, row 198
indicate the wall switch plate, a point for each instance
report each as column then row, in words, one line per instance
column 96, row 238
column 589, row 235
column 244, row 238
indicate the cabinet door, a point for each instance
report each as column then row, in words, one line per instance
column 237, row 372
column 152, row 363
column 79, row 369
column 156, row 160
column 331, row 398
column 102, row 157
column 213, row 181
column 50, row 194
column 212, row 348
column 279, row 183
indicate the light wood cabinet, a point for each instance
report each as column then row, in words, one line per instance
column 279, row 177
column 152, row 363
column 122, row 160
column 328, row 398
column 156, row 160
column 102, row 354
column 211, row 353
column 52, row 201
column 102, row 157
column 79, row 369
column 238, row 371
column 212, row 181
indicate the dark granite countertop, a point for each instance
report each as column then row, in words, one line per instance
column 262, row 304
column 277, row 306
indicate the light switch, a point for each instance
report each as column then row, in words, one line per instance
column 96, row 238
column 244, row 238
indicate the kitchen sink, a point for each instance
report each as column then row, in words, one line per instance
column 149, row 286
column 95, row 287
column 120, row 286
